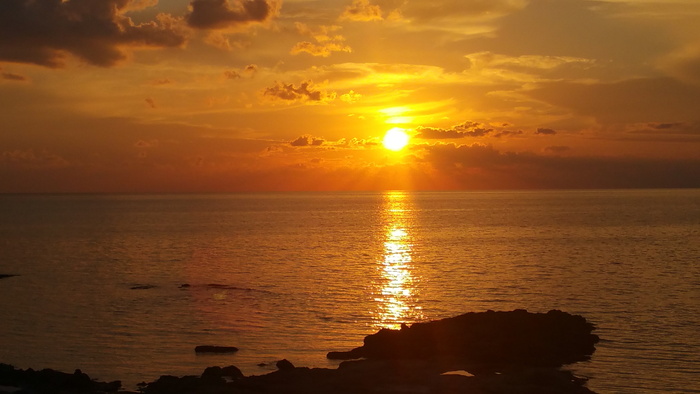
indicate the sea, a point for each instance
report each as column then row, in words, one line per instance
column 124, row 287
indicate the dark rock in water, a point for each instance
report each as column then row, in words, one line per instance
column 142, row 287
column 284, row 365
column 215, row 349
column 184, row 285
column 3, row 276
column 490, row 339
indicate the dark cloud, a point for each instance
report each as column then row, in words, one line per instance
column 479, row 166
column 43, row 31
column 32, row 159
column 678, row 131
column 545, row 131
column 249, row 70
column 664, row 126
column 506, row 133
column 222, row 14
column 13, row 77
column 467, row 129
column 151, row 103
column 289, row 92
column 232, row 74
column 307, row 140
column 161, row 82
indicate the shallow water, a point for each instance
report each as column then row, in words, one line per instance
column 295, row 275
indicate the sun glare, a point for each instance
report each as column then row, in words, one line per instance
column 395, row 139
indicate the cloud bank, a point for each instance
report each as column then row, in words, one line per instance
column 96, row 31
column 467, row 129
column 222, row 14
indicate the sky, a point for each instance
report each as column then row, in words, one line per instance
column 296, row 95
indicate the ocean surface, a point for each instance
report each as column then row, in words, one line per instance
column 295, row 275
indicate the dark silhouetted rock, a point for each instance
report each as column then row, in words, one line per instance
column 142, row 287
column 215, row 349
column 3, row 276
column 215, row 376
column 50, row 381
column 231, row 372
column 212, row 373
column 506, row 353
column 284, row 365
column 490, row 339
column 174, row 385
column 349, row 355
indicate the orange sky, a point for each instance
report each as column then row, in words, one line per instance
column 246, row 95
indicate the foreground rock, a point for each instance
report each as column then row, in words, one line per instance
column 380, row 377
column 487, row 341
column 50, row 381
column 352, row 377
column 503, row 353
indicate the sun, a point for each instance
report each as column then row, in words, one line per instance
column 395, row 139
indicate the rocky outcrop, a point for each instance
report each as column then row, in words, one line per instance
column 50, row 381
column 486, row 340
column 503, row 353
column 352, row 377
column 379, row 377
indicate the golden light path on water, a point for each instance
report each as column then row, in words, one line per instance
column 397, row 288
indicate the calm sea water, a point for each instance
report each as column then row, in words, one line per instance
column 295, row 275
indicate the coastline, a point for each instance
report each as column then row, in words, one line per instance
column 478, row 352
column 381, row 377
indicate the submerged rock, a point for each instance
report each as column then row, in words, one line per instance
column 490, row 340
column 215, row 349
column 143, row 287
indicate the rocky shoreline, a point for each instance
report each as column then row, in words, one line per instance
column 486, row 352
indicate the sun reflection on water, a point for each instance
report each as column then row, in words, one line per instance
column 396, row 291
